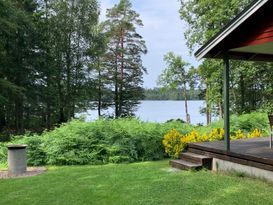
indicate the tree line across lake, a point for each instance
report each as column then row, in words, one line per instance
column 172, row 94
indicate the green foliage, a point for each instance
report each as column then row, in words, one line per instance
column 251, row 83
column 178, row 74
column 3, row 153
column 46, row 48
column 245, row 122
column 35, row 151
column 175, row 75
column 36, row 154
column 99, row 142
column 248, row 122
column 115, row 141
column 205, row 18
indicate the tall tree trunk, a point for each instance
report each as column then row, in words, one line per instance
column 48, row 96
column 48, row 114
column 99, row 91
column 2, row 118
column 208, row 106
column 19, row 116
column 68, row 60
column 221, row 106
column 208, row 114
column 221, row 110
column 188, row 119
column 62, row 117
column 68, row 85
column 48, row 77
column 116, row 95
column 242, row 89
column 121, row 72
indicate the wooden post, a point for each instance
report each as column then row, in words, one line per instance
column 226, row 103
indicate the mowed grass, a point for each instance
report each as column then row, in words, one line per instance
column 140, row 183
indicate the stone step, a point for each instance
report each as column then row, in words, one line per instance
column 185, row 165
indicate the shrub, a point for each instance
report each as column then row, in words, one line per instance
column 35, row 151
column 74, row 143
column 174, row 142
column 247, row 122
column 3, row 153
column 125, row 140
column 99, row 142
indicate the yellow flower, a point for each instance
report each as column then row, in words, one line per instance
column 255, row 133
column 174, row 142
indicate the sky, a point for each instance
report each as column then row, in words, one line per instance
column 163, row 32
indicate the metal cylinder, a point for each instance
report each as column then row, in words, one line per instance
column 17, row 159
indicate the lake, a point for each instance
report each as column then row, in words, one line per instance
column 161, row 111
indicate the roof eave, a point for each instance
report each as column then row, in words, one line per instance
column 204, row 50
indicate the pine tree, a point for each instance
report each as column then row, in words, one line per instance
column 125, row 49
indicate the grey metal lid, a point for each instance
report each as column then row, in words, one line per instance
column 18, row 146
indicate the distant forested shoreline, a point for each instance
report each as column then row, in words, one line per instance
column 172, row 94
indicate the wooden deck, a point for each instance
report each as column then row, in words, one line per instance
column 251, row 152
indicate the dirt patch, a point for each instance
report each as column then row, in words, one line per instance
column 31, row 171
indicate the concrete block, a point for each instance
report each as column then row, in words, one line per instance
column 222, row 165
column 17, row 159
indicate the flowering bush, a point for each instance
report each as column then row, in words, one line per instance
column 255, row 133
column 238, row 135
column 174, row 142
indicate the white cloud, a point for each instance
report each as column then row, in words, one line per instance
column 163, row 32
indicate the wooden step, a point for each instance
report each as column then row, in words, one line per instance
column 192, row 157
column 185, row 165
column 197, row 158
column 196, row 151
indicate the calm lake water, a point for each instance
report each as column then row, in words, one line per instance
column 161, row 111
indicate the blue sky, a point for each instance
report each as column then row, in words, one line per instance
column 163, row 32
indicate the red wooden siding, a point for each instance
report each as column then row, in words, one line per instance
column 256, row 30
column 264, row 34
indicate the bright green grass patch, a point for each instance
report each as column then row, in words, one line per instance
column 139, row 183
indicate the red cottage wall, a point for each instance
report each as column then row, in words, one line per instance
column 263, row 34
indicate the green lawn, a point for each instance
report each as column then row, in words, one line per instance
column 141, row 183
